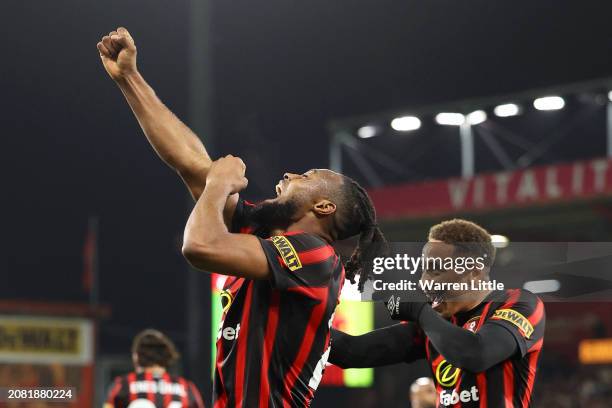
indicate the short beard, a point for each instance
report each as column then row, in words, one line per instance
column 274, row 215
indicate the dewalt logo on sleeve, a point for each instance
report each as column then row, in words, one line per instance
column 287, row 252
column 516, row 319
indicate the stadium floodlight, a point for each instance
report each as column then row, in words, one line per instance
column 450, row 119
column 506, row 110
column 500, row 241
column 549, row 103
column 406, row 123
column 476, row 117
column 366, row 132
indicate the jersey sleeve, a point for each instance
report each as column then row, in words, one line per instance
column 523, row 316
column 389, row 345
column 242, row 220
column 195, row 399
column 299, row 260
column 117, row 393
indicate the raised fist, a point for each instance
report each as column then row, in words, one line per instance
column 118, row 53
column 228, row 170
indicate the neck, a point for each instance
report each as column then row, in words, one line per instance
column 478, row 299
column 309, row 225
column 156, row 369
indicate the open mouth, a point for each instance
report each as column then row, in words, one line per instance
column 278, row 190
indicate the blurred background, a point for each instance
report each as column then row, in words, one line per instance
column 92, row 221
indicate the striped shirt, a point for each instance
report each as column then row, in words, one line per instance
column 274, row 337
column 149, row 390
column 508, row 384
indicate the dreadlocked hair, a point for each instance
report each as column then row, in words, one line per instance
column 357, row 216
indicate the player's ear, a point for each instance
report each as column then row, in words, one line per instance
column 324, row 207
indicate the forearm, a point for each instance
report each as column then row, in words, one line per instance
column 173, row 141
column 474, row 352
column 389, row 345
column 206, row 226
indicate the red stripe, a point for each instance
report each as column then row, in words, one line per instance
column 168, row 396
column 149, row 377
column 131, row 379
column 232, row 284
column 481, row 383
column 434, row 366
column 196, row 395
column 481, row 379
column 270, row 336
column 114, row 391
column 312, row 256
column 513, row 297
column 533, row 361
column 221, row 401
column 537, row 314
column 290, row 233
column 242, row 346
column 537, row 346
column 483, row 317
column 316, row 255
column 316, row 316
column 184, row 399
column 508, row 384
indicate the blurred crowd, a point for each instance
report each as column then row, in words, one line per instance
column 585, row 387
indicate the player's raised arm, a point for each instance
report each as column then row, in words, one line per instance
column 173, row 141
column 207, row 242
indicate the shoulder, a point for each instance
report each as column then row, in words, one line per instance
column 512, row 298
column 118, row 387
column 519, row 307
column 300, row 249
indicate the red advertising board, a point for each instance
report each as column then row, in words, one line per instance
column 531, row 186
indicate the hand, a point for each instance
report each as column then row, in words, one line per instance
column 118, row 54
column 409, row 311
column 228, row 171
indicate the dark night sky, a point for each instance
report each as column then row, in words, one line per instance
column 282, row 69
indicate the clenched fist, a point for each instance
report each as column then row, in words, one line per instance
column 229, row 171
column 118, row 53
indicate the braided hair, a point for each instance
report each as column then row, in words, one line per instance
column 357, row 216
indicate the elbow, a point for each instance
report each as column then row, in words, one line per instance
column 198, row 254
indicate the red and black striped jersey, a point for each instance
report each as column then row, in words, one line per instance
column 274, row 337
column 152, row 390
column 509, row 383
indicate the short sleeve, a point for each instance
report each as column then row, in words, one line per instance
column 241, row 220
column 299, row 260
column 195, row 399
column 524, row 319
column 116, row 393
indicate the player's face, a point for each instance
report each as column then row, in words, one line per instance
column 296, row 195
column 447, row 302
column 305, row 189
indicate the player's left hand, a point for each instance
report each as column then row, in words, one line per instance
column 409, row 311
column 228, row 171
